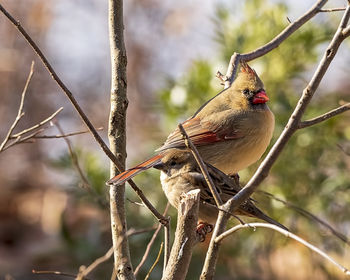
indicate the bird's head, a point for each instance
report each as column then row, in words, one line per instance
column 250, row 87
column 176, row 162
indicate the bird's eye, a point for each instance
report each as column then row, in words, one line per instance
column 172, row 163
column 246, row 91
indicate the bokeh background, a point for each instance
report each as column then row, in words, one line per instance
column 48, row 221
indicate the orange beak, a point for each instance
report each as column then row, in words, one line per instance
column 260, row 98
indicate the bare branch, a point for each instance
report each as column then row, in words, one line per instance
column 117, row 139
column 332, row 10
column 84, row 271
column 185, row 236
column 166, row 243
column 75, row 161
column 61, row 135
column 163, row 220
column 287, row 234
column 346, row 32
column 201, row 165
column 156, row 261
column 308, row 214
column 150, row 243
column 50, row 272
column 20, row 113
column 221, row 77
column 38, row 125
column 85, row 119
column 56, row 78
column 18, row 137
column 325, row 116
column 148, row 249
column 274, row 43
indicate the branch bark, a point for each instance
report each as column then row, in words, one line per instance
column 325, row 116
column 117, row 139
column 185, row 237
column 274, row 43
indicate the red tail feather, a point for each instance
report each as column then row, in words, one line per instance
column 128, row 174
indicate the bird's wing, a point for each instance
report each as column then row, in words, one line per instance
column 202, row 132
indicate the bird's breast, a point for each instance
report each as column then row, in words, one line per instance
column 231, row 156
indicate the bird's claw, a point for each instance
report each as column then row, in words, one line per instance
column 203, row 229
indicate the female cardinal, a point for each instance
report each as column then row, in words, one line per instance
column 180, row 173
column 231, row 131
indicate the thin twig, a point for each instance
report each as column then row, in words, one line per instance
column 325, row 116
column 166, row 243
column 19, row 136
column 156, row 261
column 20, row 113
column 201, row 165
column 52, row 272
column 84, row 271
column 332, row 10
column 148, row 249
column 343, row 150
column 74, row 158
column 221, row 77
column 150, row 244
column 287, row 234
column 62, row 135
column 308, row 214
column 274, row 43
column 38, row 125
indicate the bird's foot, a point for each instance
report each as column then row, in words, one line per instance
column 203, row 229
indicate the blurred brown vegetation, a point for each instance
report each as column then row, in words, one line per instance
column 48, row 222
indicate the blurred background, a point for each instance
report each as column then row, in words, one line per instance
column 51, row 219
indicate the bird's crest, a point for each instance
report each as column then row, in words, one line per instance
column 245, row 68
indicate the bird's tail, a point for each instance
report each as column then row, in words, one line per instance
column 130, row 173
column 259, row 214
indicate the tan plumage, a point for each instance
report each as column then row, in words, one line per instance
column 231, row 131
column 180, row 174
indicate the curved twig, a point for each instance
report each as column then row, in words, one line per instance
column 227, row 233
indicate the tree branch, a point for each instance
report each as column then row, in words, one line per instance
column 20, row 113
column 55, row 77
column 325, row 116
column 84, row 271
column 81, row 113
column 117, row 139
column 292, row 125
column 185, row 236
column 309, row 215
column 331, row 10
column 287, row 234
column 201, row 165
column 274, row 43
column 155, row 262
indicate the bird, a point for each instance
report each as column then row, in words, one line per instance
column 180, row 173
column 231, row 131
